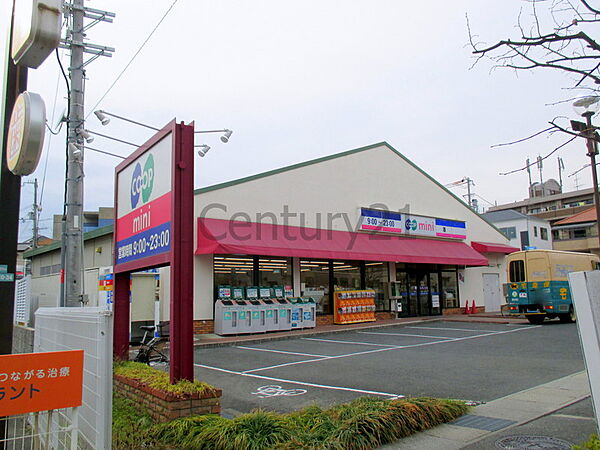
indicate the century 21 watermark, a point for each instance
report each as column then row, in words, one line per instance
column 310, row 226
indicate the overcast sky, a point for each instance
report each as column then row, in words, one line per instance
column 297, row 80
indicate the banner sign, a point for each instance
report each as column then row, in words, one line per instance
column 144, row 201
column 31, row 382
column 410, row 224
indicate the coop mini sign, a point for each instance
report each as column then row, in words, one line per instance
column 32, row 382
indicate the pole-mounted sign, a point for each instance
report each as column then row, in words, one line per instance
column 36, row 31
column 26, row 132
column 154, row 210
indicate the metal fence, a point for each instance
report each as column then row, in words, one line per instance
column 89, row 329
column 55, row 429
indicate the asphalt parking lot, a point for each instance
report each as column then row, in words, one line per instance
column 471, row 361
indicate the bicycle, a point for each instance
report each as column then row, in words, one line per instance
column 149, row 352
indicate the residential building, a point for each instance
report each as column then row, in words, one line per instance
column 524, row 231
column 578, row 233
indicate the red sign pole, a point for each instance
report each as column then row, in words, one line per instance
column 121, row 316
column 182, row 270
column 142, row 244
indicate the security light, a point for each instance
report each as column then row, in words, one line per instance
column 226, row 136
column 102, row 117
column 86, row 135
column 203, row 150
column 75, row 151
column 587, row 105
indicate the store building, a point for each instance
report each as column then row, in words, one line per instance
column 360, row 219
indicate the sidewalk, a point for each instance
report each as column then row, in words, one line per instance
column 504, row 415
column 213, row 340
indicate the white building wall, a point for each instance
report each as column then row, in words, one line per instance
column 329, row 195
column 527, row 224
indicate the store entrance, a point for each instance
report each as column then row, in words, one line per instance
column 420, row 294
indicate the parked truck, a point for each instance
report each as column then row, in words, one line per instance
column 538, row 286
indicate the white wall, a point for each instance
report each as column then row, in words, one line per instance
column 472, row 287
column 527, row 224
column 377, row 177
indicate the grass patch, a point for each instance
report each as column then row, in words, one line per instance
column 131, row 428
column 592, row 444
column 157, row 379
column 364, row 423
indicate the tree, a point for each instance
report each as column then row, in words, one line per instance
column 557, row 35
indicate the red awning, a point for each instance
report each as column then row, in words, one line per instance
column 488, row 247
column 231, row 237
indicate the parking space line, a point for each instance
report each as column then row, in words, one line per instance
column 335, row 341
column 280, row 351
column 404, row 334
column 301, row 383
column 454, row 329
column 397, row 347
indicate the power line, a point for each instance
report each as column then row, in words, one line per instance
column 541, row 158
column 132, row 58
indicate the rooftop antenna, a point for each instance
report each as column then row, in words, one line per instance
column 541, row 167
column 528, row 165
column 561, row 167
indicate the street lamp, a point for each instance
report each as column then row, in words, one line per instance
column 587, row 107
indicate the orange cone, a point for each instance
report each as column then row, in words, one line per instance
column 473, row 308
column 467, row 311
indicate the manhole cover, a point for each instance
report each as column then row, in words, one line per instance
column 533, row 442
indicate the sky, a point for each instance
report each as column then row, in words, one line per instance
column 297, row 80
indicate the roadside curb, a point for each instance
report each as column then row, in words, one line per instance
column 522, row 407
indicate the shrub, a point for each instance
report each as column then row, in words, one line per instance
column 157, row 379
column 592, row 444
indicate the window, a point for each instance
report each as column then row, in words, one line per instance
column 534, row 231
column 346, row 275
column 516, row 271
column 579, row 233
column 544, row 233
column 49, row 270
column 240, row 270
column 274, row 271
column 509, row 232
column 314, row 282
column 376, row 274
column 234, row 270
column 450, row 290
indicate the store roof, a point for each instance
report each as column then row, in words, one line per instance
column 587, row 215
column 491, row 247
column 258, row 176
column 504, row 215
column 216, row 236
column 56, row 245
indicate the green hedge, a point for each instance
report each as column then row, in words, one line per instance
column 158, row 379
column 592, row 444
column 364, row 423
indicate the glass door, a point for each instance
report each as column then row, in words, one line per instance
column 402, row 293
column 424, row 309
column 418, row 294
column 436, row 295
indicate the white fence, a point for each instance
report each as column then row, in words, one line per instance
column 55, row 429
column 23, row 301
column 90, row 329
column 585, row 289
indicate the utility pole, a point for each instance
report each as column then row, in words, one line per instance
column 72, row 224
column 72, row 229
